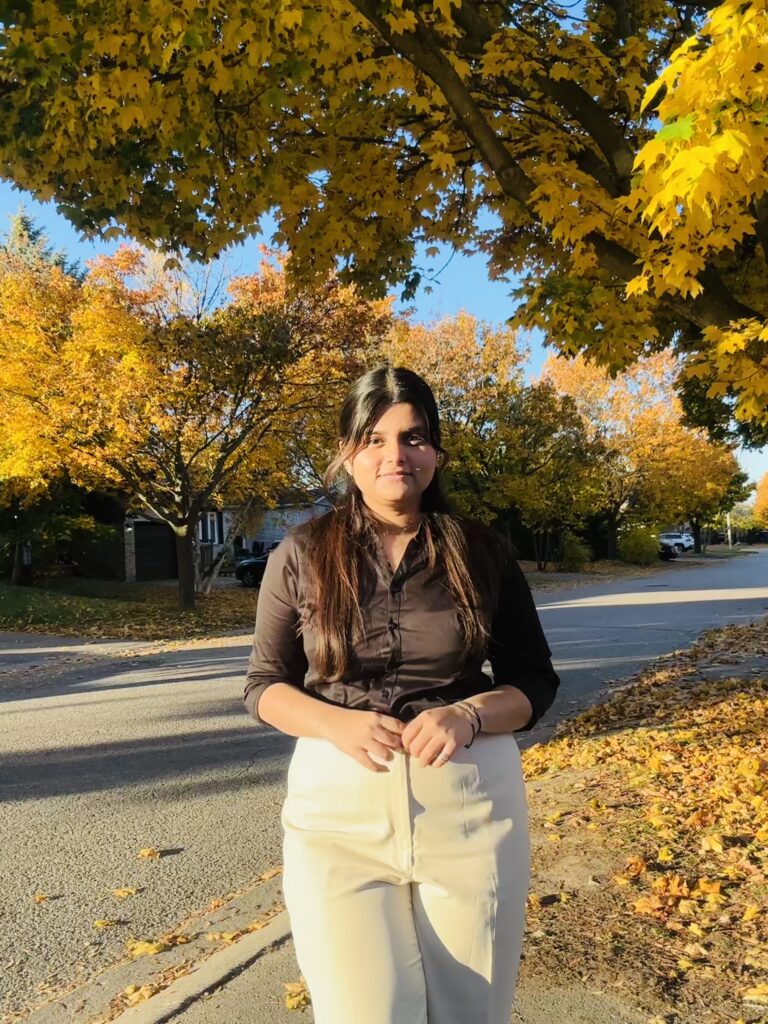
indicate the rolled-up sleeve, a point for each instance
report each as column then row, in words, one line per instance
column 277, row 655
column 518, row 650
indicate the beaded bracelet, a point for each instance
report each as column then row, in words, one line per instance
column 477, row 724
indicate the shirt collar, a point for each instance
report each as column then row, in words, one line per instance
column 414, row 559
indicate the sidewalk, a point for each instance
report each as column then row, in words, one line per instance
column 244, row 982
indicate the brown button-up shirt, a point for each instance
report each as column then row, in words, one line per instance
column 411, row 656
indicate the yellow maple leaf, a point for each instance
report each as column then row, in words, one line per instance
column 227, row 937
column 751, row 912
column 40, row 897
column 713, row 843
column 124, row 892
column 134, row 994
column 138, row 948
column 148, row 853
column 296, row 994
column 104, row 922
column 665, row 855
column 758, row 994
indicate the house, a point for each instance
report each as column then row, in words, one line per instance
column 150, row 546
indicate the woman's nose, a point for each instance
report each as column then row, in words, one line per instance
column 395, row 450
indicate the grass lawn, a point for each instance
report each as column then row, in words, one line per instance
column 124, row 611
column 723, row 551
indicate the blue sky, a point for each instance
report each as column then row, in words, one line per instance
column 463, row 285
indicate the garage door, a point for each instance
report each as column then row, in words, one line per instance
column 155, row 552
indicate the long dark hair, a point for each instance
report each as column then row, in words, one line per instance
column 339, row 553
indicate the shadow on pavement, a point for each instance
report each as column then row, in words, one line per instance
column 39, row 774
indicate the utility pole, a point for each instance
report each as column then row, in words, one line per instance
column 728, row 527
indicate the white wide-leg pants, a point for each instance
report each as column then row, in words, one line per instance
column 406, row 889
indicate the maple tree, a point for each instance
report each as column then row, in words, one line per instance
column 531, row 132
column 656, row 468
column 42, row 508
column 132, row 378
column 761, row 501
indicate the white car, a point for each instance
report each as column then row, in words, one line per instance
column 679, row 541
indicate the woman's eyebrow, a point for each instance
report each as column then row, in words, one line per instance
column 408, row 430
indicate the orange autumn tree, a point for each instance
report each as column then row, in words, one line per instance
column 132, row 378
column 515, row 449
column 656, row 469
column 761, row 501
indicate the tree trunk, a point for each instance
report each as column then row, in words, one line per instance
column 17, row 572
column 612, row 537
column 233, row 529
column 696, row 527
column 537, row 551
column 185, row 558
column 547, row 548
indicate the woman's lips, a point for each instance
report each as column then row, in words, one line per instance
column 394, row 474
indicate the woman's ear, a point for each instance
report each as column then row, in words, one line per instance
column 347, row 463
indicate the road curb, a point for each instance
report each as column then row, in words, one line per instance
column 210, row 975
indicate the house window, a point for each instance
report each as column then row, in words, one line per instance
column 209, row 528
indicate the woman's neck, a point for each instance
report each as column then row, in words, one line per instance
column 395, row 520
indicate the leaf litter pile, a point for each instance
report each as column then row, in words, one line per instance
column 650, row 837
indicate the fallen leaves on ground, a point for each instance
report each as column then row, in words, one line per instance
column 296, row 995
column 680, row 761
column 148, row 853
column 139, row 947
column 254, row 926
column 98, row 609
column 132, row 995
column 126, row 891
column 40, row 897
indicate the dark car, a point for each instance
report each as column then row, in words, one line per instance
column 667, row 551
column 250, row 570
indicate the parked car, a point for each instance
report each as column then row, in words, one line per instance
column 250, row 570
column 680, row 541
column 667, row 551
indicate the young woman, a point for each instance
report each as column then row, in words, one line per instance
column 406, row 854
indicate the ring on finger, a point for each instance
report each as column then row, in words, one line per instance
column 443, row 757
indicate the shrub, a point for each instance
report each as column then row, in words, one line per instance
column 638, row 545
column 574, row 553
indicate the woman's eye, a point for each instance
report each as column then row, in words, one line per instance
column 418, row 439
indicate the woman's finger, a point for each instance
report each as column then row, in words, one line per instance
column 410, row 733
column 391, row 724
column 444, row 756
column 368, row 762
column 382, row 750
column 389, row 739
column 431, row 749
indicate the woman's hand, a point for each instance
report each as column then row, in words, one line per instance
column 362, row 733
column 440, row 730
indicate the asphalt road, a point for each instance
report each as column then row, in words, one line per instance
column 106, row 749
